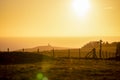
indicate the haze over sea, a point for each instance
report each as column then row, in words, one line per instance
column 14, row 43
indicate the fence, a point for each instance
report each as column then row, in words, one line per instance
column 73, row 53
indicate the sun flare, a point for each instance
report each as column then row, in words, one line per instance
column 81, row 7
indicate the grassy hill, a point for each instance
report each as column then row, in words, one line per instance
column 46, row 53
column 21, row 57
column 42, row 48
column 108, row 50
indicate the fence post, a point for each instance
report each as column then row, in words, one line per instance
column 103, row 54
column 38, row 50
column 113, row 54
column 68, row 53
column 109, row 54
column 79, row 54
column 8, row 49
column 100, row 51
column 53, row 52
column 117, row 51
column 23, row 49
column 106, row 54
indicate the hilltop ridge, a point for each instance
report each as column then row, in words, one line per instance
column 42, row 48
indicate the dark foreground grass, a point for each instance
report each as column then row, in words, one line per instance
column 21, row 57
column 62, row 69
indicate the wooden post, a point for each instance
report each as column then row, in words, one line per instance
column 79, row 54
column 106, row 54
column 100, row 51
column 8, row 49
column 114, row 55
column 103, row 55
column 23, row 49
column 109, row 54
column 117, row 54
column 53, row 52
column 68, row 53
column 38, row 50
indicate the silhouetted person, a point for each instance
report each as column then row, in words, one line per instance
column 94, row 53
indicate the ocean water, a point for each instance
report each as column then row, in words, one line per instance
column 14, row 43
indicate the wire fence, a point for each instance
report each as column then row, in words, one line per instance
column 71, row 53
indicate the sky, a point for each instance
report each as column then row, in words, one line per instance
column 48, row 18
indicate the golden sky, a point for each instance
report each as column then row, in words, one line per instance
column 36, row 18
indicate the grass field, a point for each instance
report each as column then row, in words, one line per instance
column 62, row 69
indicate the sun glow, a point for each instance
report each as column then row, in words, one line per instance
column 81, row 7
